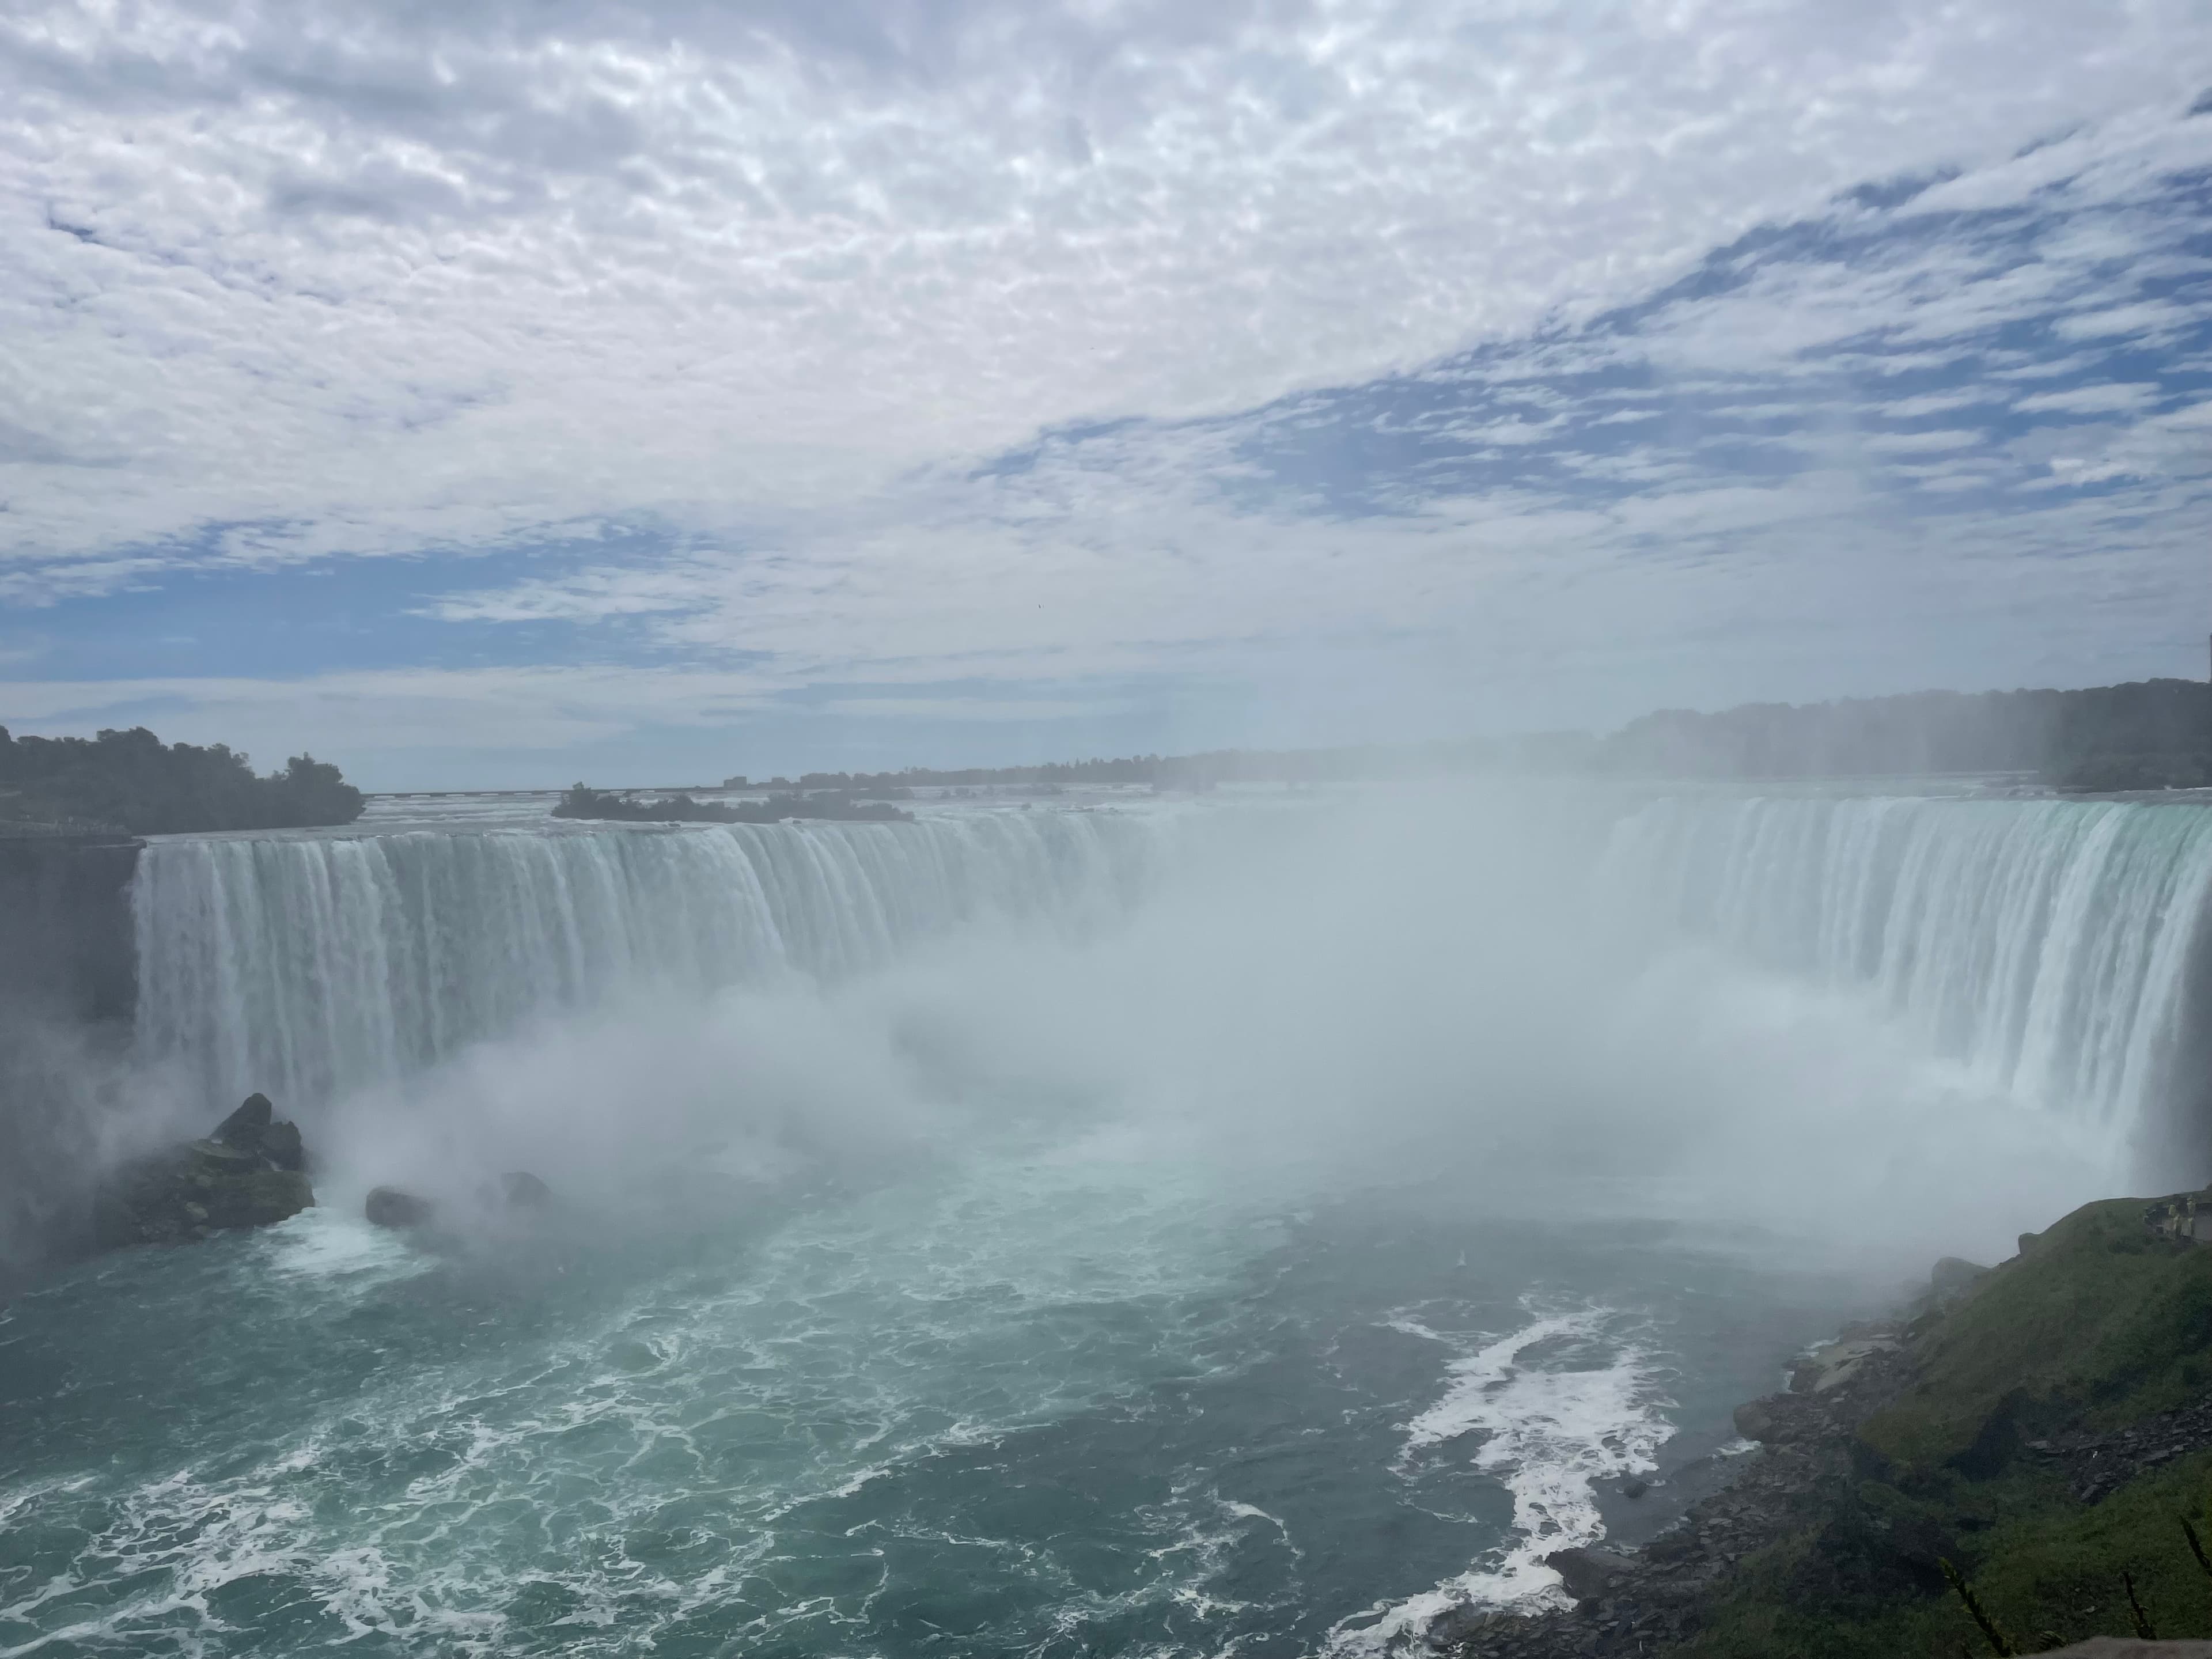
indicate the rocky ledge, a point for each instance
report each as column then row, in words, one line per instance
column 250, row 1171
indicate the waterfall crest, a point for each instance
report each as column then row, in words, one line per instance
column 307, row 966
column 2047, row 944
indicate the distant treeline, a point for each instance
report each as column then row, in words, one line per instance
column 130, row 781
column 2151, row 734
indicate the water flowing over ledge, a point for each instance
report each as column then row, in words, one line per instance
column 2047, row 945
column 308, row 966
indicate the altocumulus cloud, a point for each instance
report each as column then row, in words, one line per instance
column 872, row 362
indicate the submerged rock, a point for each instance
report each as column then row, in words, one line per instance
column 388, row 1206
column 247, row 1173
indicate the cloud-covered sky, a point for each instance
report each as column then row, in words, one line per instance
column 496, row 393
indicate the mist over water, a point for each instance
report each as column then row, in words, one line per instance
column 1168, row 1229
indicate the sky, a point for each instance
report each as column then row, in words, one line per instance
column 500, row 393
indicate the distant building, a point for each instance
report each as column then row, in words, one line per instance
column 735, row 783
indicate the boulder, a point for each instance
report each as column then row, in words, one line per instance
column 1589, row 1574
column 247, row 1173
column 388, row 1206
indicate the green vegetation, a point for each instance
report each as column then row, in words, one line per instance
column 129, row 781
column 2097, row 1326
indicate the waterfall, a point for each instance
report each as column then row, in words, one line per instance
column 307, row 966
column 2045, row 944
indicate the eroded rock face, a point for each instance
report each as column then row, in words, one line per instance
column 249, row 1173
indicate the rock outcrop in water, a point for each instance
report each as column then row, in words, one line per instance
column 250, row 1172
column 515, row 1195
column 388, row 1206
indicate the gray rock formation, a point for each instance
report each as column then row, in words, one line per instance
column 248, row 1173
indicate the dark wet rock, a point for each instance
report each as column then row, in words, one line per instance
column 1634, row 1489
column 244, row 1127
column 236, row 1177
column 1588, row 1574
column 256, row 1130
column 388, row 1206
column 281, row 1146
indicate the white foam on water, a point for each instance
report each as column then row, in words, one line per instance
column 332, row 1243
column 1549, row 1410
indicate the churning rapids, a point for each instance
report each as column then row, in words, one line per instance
column 1098, row 1228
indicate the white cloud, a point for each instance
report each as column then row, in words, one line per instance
column 363, row 278
column 975, row 709
column 2154, row 318
column 1916, row 443
column 2110, row 398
